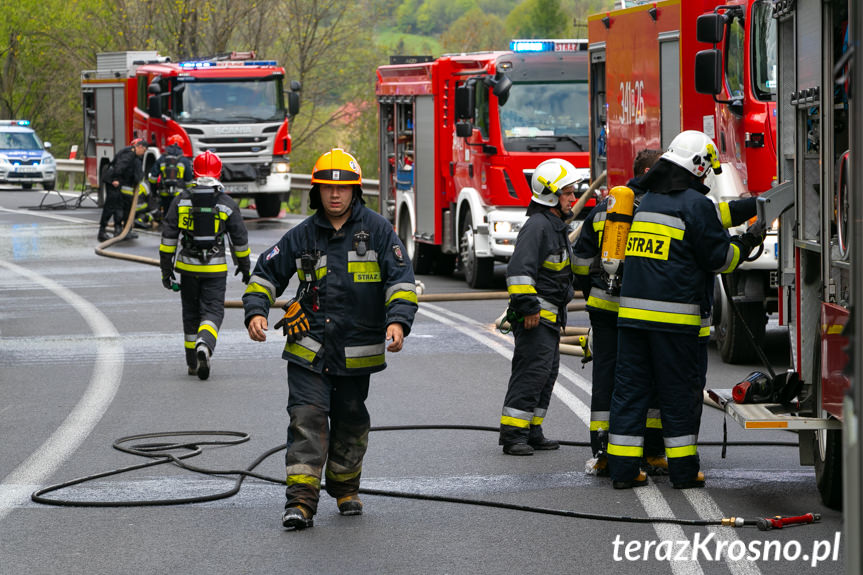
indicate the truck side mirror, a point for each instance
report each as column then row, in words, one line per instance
column 502, row 85
column 293, row 104
column 464, row 101
column 295, row 86
column 710, row 28
column 708, row 72
column 154, row 103
column 463, row 129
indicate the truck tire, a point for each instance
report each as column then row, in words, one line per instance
column 444, row 264
column 828, row 466
column 27, row 186
column 734, row 344
column 478, row 272
column 268, row 205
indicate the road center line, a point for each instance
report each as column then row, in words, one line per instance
column 15, row 488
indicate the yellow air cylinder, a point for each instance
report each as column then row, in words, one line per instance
column 618, row 220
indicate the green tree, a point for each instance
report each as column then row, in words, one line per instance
column 539, row 19
column 475, row 31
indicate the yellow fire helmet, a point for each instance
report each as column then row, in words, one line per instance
column 335, row 167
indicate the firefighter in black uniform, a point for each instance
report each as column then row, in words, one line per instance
column 171, row 174
column 675, row 243
column 194, row 232
column 602, row 308
column 122, row 178
column 356, row 291
column 539, row 280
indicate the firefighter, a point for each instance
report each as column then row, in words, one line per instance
column 122, row 177
column 171, row 174
column 356, row 292
column 193, row 234
column 602, row 309
column 676, row 242
column 539, row 281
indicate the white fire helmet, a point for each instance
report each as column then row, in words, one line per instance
column 695, row 152
column 549, row 178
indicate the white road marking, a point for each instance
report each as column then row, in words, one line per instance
column 650, row 497
column 50, row 216
column 16, row 487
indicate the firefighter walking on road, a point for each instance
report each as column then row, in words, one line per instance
column 171, row 174
column 539, row 280
column 675, row 243
column 193, row 244
column 356, row 292
column 122, row 178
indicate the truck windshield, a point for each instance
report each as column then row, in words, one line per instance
column 764, row 51
column 232, row 101
column 552, row 112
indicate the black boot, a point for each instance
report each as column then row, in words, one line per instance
column 538, row 441
column 103, row 234
column 118, row 229
column 518, row 449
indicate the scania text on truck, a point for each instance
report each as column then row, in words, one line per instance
column 645, row 90
column 232, row 105
column 460, row 136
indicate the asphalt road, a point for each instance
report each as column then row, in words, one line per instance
column 91, row 350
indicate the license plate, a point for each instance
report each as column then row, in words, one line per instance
column 236, row 189
column 26, row 169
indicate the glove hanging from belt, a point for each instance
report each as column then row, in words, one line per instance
column 294, row 324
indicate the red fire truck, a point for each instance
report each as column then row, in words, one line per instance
column 232, row 105
column 460, row 136
column 644, row 91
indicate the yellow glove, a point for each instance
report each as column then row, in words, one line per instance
column 294, row 324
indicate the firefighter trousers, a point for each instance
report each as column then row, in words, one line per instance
column 203, row 300
column 668, row 363
column 535, row 363
column 604, row 331
column 329, row 426
column 112, row 208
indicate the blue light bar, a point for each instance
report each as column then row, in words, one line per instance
column 531, row 46
column 15, row 123
column 192, row 65
column 261, row 63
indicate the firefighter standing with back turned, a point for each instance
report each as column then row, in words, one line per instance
column 122, row 178
column 539, row 280
column 602, row 308
column 196, row 224
column 171, row 174
column 675, row 243
column 356, row 292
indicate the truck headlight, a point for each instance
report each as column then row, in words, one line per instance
column 281, row 167
column 502, row 227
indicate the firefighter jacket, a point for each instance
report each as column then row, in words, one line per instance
column 539, row 275
column 353, row 283
column 172, row 172
column 196, row 225
column 675, row 245
column 127, row 168
column 589, row 274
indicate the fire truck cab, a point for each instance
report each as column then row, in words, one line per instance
column 460, row 136
column 232, row 105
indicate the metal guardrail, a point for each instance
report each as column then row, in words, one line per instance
column 299, row 182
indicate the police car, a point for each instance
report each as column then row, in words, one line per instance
column 24, row 159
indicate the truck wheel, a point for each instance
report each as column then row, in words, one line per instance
column 735, row 345
column 478, row 272
column 268, row 205
column 828, row 466
column 27, row 186
column 444, row 264
column 418, row 253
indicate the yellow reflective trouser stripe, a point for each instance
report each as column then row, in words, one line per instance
column 359, row 362
column 210, row 329
column 405, row 295
column 536, row 420
column 167, row 249
column 521, row 289
column 514, row 422
column 597, row 425
column 243, row 253
column 300, row 351
column 212, row 268
column 343, row 476
column 304, row 480
column 660, row 316
column 625, row 450
column 258, row 288
column 603, row 304
column 189, row 344
column 684, row 451
column 654, row 423
column 704, row 332
column 581, row 270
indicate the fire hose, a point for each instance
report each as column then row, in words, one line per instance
column 161, row 453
